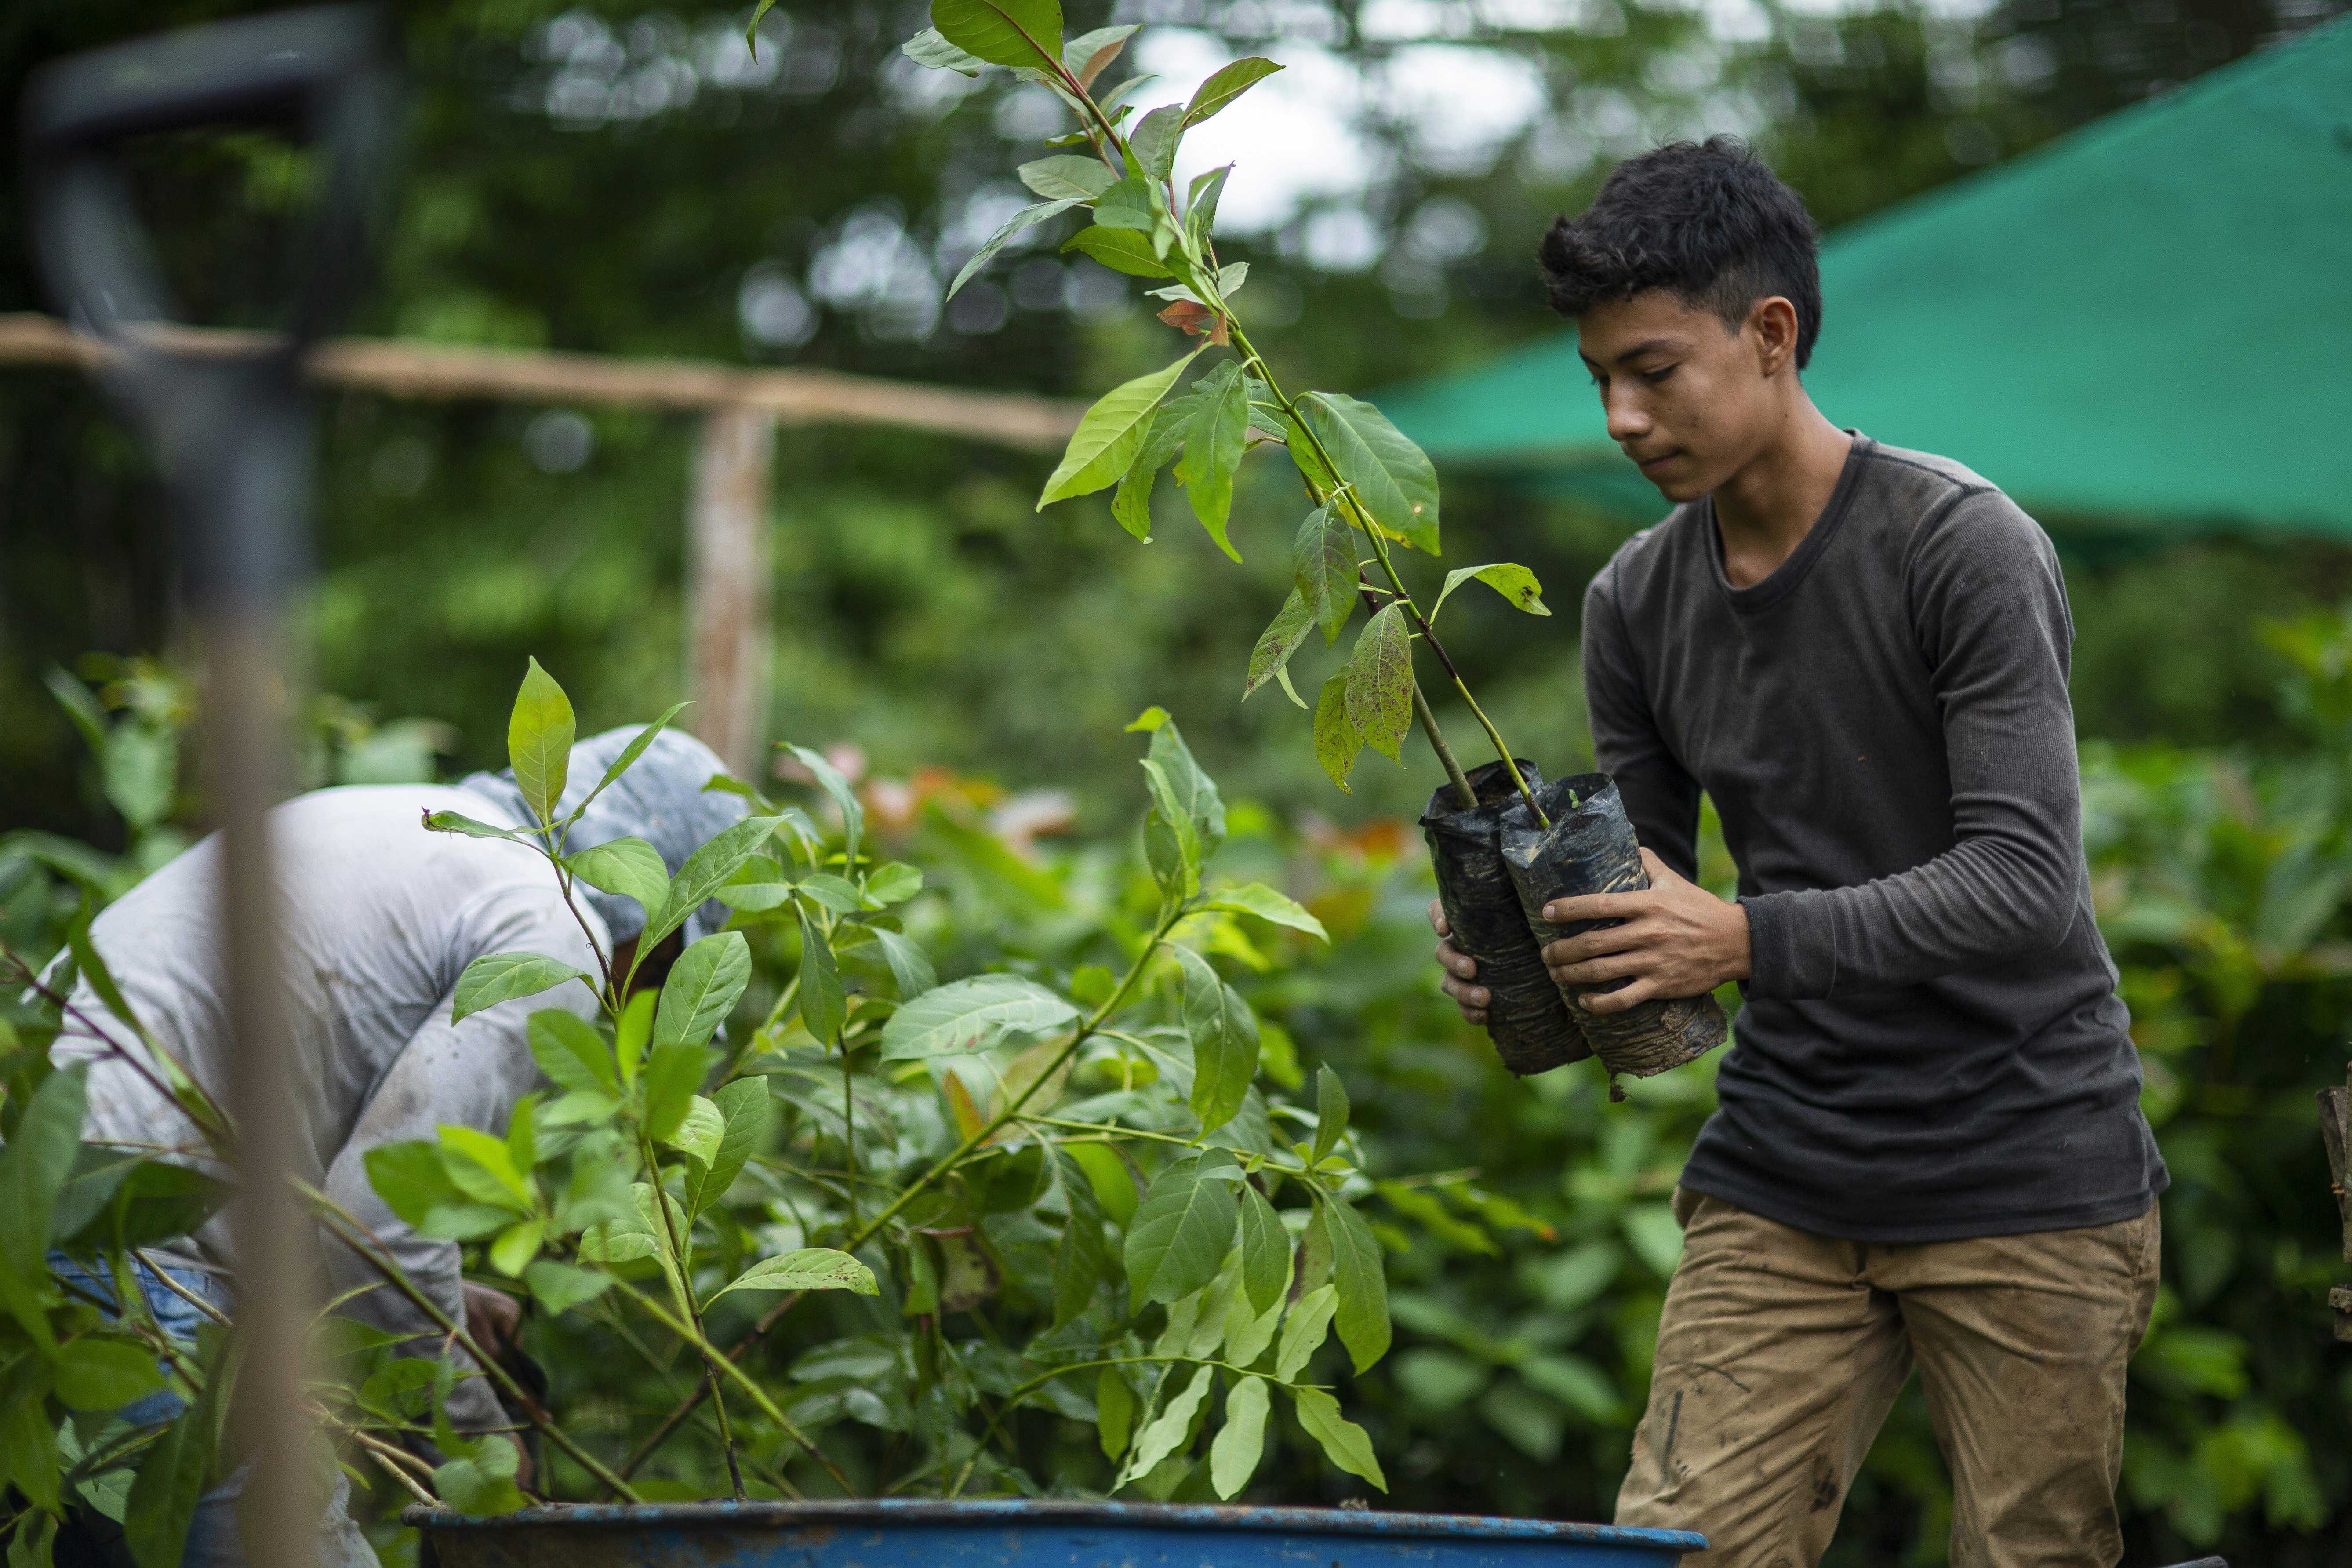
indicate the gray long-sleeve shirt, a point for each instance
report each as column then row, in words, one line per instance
column 1932, row 1046
column 380, row 918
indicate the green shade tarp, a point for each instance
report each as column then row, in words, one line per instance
column 2147, row 321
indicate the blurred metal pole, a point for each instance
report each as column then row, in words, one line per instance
column 233, row 440
column 731, row 586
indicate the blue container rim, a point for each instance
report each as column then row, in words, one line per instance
column 969, row 1512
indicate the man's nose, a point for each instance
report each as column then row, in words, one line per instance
column 1627, row 420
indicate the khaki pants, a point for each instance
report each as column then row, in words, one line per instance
column 1780, row 1352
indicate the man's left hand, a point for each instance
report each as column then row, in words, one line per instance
column 1677, row 940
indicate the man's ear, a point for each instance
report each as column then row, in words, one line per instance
column 1772, row 327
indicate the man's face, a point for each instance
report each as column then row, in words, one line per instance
column 1689, row 402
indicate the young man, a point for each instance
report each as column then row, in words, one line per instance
column 1929, row 1147
column 379, row 919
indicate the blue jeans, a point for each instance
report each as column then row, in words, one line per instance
column 213, row 1539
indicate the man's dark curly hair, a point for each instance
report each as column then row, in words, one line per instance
column 1705, row 219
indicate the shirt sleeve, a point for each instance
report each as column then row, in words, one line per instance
column 1661, row 798
column 1988, row 608
column 467, row 1074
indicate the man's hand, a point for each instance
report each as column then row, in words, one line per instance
column 1461, row 969
column 492, row 1318
column 1677, row 940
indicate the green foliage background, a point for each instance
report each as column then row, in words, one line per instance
column 926, row 613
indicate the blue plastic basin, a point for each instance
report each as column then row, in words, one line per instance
column 1022, row 1534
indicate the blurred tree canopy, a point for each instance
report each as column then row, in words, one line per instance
column 624, row 179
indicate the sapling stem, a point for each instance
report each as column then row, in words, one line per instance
column 1170, row 917
column 684, row 1290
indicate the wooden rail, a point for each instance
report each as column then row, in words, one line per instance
column 730, row 590
column 2336, row 1136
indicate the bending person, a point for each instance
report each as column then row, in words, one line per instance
column 378, row 919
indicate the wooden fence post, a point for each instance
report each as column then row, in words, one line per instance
column 2336, row 1137
column 730, row 587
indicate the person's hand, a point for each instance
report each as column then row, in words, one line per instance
column 493, row 1318
column 1677, row 940
column 1461, row 969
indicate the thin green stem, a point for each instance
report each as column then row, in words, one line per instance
column 685, row 1295
column 360, row 1239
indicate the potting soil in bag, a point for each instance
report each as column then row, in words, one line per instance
column 1531, row 1026
column 1589, row 848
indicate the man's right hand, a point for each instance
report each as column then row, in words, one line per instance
column 1461, row 970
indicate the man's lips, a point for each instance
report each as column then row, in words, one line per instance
column 1648, row 464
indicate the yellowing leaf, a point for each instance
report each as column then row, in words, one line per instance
column 1380, row 682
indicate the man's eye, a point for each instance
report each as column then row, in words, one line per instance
column 1655, row 376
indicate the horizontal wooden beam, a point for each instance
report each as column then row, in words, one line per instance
column 398, row 367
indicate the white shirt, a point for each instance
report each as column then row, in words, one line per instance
column 378, row 919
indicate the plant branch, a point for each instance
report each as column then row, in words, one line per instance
column 683, row 1290
column 352, row 1233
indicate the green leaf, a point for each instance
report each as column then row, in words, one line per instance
column 823, row 1003
column 502, row 976
column 1266, row 1251
column 1330, row 1110
column 1178, row 1239
column 698, row 1133
column 673, row 1074
column 843, row 794
column 1515, row 582
column 34, row 1542
column 572, row 1053
column 1171, row 839
column 629, row 866
column 743, row 1107
column 706, row 870
column 1363, row 1282
column 831, row 892
column 1201, row 217
column 1380, row 682
column 97, row 1173
column 928, row 49
column 516, row 1246
column 894, row 882
column 476, row 1486
column 484, row 1169
column 1323, row 565
column 1240, row 1443
column 1336, row 740
column 1214, row 446
column 1080, row 1256
column 971, row 1015
column 33, row 1168
column 1390, row 478
column 29, row 1436
column 1027, row 218
column 171, row 1478
column 453, row 822
column 631, row 1034
column 911, row 968
column 1224, row 1032
column 1258, row 899
column 1228, row 85
column 1191, row 790
column 810, row 1268
column 539, row 740
column 1110, row 435
column 104, row 1374
column 1303, row 1332
column 1281, row 638
column 1133, row 203
column 702, row 989
column 1172, row 1426
column 1130, row 504
column 1120, row 249
column 560, row 1287
column 1065, row 178
column 1003, row 32
column 1113, row 1412
column 1154, row 142
column 1344, row 1443
column 411, row 1179
column 627, row 759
